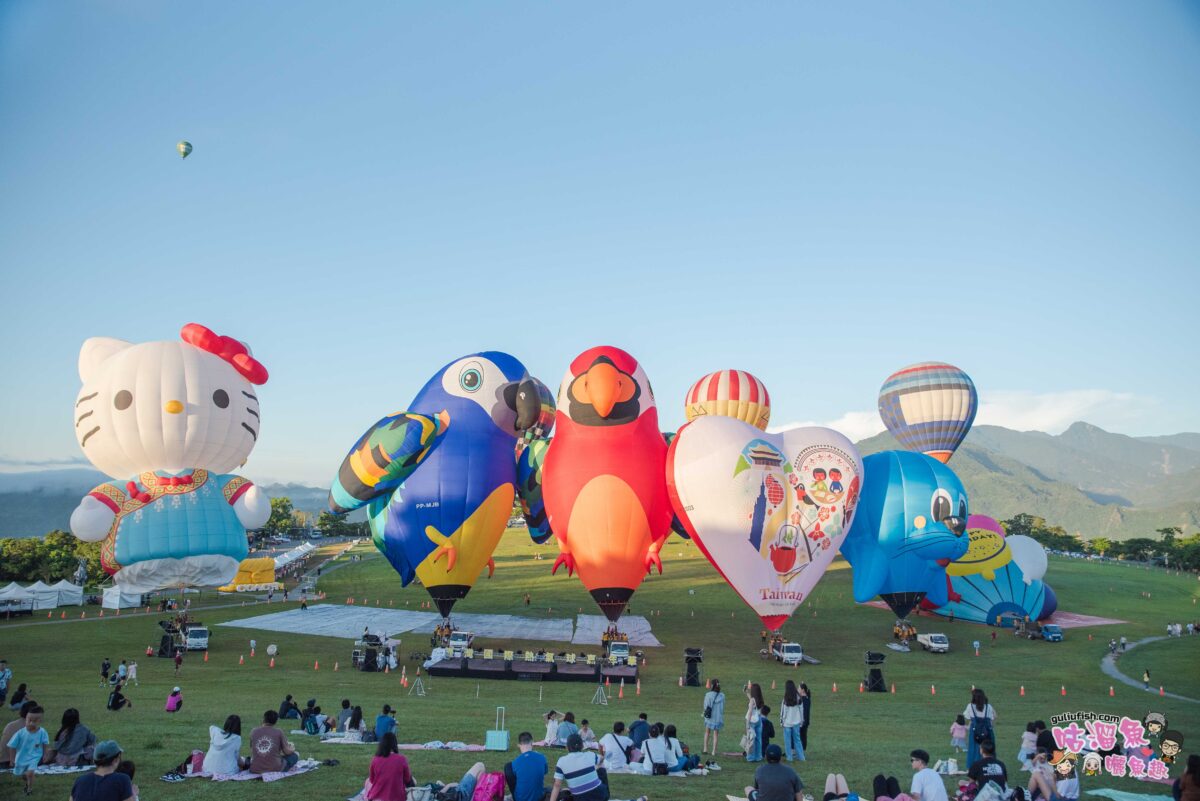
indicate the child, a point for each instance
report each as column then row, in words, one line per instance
column 585, row 731
column 1028, row 746
column 958, row 734
column 768, row 728
column 132, row 674
column 29, row 746
column 127, row 767
column 175, row 700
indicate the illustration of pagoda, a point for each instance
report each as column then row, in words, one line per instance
column 759, row 518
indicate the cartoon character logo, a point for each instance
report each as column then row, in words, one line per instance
column 1092, row 764
column 1064, row 763
column 1155, row 724
column 1171, row 745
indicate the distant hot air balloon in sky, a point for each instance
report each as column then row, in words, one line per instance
column 184, row 147
column 929, row 408
column 730, row 393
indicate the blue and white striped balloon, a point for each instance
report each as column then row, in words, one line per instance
column 929, row 407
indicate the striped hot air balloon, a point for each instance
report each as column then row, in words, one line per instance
column 730, row 393
column 185, row 148
column 929, row 407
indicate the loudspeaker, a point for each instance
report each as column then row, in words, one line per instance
column 875, row 681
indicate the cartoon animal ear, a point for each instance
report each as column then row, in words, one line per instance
column 96, row 351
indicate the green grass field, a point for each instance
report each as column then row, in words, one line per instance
column 856, row 734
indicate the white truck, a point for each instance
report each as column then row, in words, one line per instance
column 459, row 642
column 935, row 643
column 618, row 652
column 196, row 638
column 789, row 653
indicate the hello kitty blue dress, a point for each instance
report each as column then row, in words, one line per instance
column 172, row 516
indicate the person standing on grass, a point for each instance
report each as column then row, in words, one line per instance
column 806, row 702
column 754, row 722
column 791, row 717
column 714, row 715
column 982, row 717
column 29, row 747
column 1146, row 678
column 104, row 783
column 178, row 661
column 105, row 667
column 5, row 678
column 6, row 753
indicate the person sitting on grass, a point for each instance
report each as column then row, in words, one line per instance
column 126, row 767
column 289, row 708
column 385, row 722
column 579, row 770
column 270, row 751
column 987, row 768
column 344, row 714
column 926, row 784
column 585, row 731
column 1041, row 777
column 117, row 700
column 224, row 747
column 29, row 747
column 566, row 728
column 837, row 789
column 175, row 700
column 19, row 697
column 685, row 761
column 639, row 730
column 775, row 781
column 356, row 727
column 74, row 743
column 616, row 748
column 551, row 719
column 526, row 774
column 104, row 783
column 389, row 777
column 659, row 754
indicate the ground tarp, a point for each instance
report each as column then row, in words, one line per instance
column 588, row 629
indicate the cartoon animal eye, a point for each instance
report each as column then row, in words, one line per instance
column 940, row 506
column 221, row 398
column 123, row 400
column 962, row 507
column 470, row 379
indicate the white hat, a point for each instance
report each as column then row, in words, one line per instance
column 176, row 690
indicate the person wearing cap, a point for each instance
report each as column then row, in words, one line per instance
column 774, row 781
column 104, row 783
column 579, row 770
column 175, row 700
column 927, row 785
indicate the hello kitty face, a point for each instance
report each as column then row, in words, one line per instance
column 167, row 406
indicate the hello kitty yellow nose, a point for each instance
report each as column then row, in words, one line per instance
column 173, row 407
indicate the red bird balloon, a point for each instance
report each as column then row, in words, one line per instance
column 604, row 477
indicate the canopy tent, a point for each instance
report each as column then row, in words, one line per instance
column 44, row 596
column 15, row 592
column 294, row 554
column 117, row 598
column 69, row 594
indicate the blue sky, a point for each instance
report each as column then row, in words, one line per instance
column 818, row 193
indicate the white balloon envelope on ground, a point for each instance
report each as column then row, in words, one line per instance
column 768, row 510
column 1030, row 556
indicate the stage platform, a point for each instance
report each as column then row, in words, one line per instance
column 520, row 670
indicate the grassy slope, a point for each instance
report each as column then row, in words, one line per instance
column 858, row 734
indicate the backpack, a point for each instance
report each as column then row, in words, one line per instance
column 310, row 725
column 490, row 787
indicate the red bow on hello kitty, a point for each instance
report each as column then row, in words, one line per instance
column 226, row 348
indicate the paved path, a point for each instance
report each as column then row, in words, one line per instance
column 1109, row 665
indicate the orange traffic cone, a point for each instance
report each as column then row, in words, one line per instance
column 606, row 681
column 242, row 660
column 63, row 616
column 835, row 686
column 118, row 613
column 772, row 684
column 1161, row 694
column 861, row 687
column 639, row 687
column 101, row 613
column 1111, row 693
column 707, row 684
column 681, row 681
column 82, row 615
column 621, row 689
column 932, row 690
column 49, row 615
column 1063, row 691
column 893, row 688
column 251, row 653
column 316, row 664
column 272, row 662
column 335, row 667
column 387, row 668
column 206, row 656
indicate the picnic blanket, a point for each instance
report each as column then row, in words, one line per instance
column 303, row 766
column 594, row 746
column 1122, row 795
column 58, row 770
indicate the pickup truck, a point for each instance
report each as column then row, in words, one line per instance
column 789, row 653
column 1051, row 632
column 936, row 643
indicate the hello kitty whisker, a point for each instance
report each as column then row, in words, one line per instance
column 252, row 412
column 85, row 398
column 253, row 433
column 250, row 395
column 83, row 442
column 82, row 416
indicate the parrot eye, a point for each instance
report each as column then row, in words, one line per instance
column 122, row 400
column 470, row 379
column 939, row 506
column 221, row 398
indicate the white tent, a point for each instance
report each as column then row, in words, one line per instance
column 44, row 596
column 15, row 592
column 294, row 554
column 69, row 594
column 116, row 598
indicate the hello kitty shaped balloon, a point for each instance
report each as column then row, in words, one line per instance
column 170, row 421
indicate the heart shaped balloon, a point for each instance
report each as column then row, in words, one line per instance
column 768, row 510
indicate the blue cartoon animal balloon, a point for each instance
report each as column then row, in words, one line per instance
column 913, row 514
column 439, row 479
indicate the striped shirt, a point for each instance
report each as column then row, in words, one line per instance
column 577, row 769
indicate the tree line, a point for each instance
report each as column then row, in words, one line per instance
column 1169, row 548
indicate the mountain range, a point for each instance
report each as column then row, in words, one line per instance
column 1092, row 482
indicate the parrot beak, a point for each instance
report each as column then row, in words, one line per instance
column 527, row 404
column 603, row 387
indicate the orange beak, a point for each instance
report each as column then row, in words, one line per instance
column 603, row 387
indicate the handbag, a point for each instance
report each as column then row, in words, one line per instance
column 747, row 742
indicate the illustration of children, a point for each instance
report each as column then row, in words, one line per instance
column 958, row 734
column 819, row 484
column 835, row 481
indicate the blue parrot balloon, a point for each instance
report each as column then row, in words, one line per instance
column 912, row 515
column 439, row 479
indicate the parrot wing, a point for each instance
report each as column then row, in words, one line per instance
column 529, row 488
column 384, row 457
